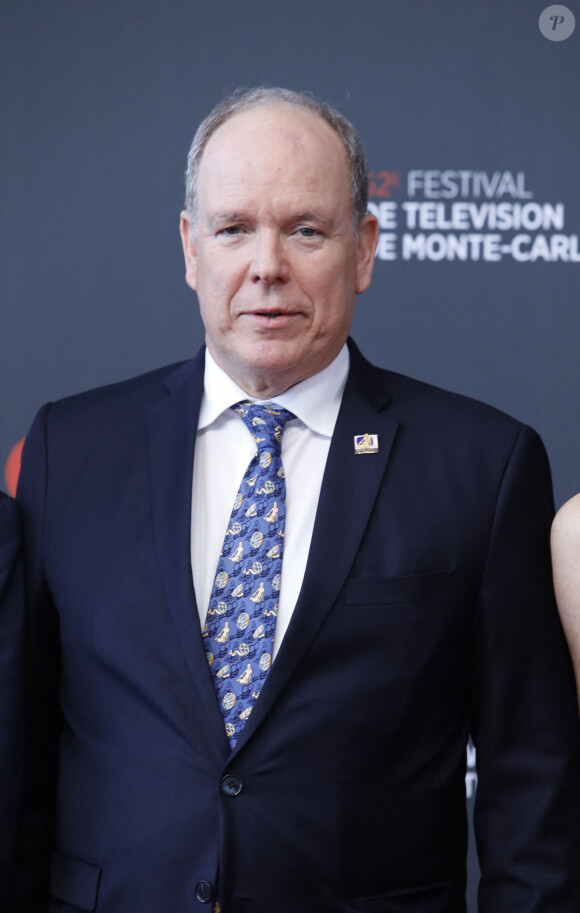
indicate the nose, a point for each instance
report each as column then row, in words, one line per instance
column 269, row 264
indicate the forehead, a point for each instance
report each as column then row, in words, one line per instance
column 274, row 145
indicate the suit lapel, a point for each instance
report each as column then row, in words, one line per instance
column 172, row 423
column 349, row 490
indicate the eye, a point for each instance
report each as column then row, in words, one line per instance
column 231, row 230
column 306, row 232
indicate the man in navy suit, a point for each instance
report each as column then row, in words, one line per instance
column 415, row 608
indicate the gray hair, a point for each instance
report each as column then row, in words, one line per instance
column 245, row 99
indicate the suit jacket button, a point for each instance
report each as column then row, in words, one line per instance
column 203, row 892
column 231, row 786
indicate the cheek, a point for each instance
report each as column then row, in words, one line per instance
column 222, row 280
column 214, row 288
column 214, row 314
column 333, row 296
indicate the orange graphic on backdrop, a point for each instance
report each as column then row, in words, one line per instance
column 382, row 183
column 12, row 468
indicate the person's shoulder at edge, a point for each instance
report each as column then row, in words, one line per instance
column 566, row 526
column 565, row 541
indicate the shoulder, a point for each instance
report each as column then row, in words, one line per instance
column 457, row 437
column 402, row 390
column 566, row 528
column 440, row 401
column 417, row 403
column 565, row 543
column 109, row 420
column 124, row 392
column 118, row 402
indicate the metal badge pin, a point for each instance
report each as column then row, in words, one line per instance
column 366, row 443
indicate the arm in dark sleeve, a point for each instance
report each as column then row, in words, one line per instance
column 11, row 687
column 36, row 832
column 524, row 714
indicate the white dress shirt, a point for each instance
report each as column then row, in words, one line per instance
column 223, row 450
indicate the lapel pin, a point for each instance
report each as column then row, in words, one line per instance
column 366, row 443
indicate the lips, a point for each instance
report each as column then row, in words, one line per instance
column 269, row 312
column 278, row 319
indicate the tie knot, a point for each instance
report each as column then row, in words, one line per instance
column 265, row 421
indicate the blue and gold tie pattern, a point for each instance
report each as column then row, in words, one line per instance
column 241, row 618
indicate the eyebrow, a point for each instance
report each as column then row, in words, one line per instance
column 307, row 216
column 226, row 215
column 235, row 216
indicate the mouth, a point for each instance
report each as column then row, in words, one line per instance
column 271, row 318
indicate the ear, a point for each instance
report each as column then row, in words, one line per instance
column 189, row 249
column 365, row 254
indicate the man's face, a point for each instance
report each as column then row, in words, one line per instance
column 274, row 260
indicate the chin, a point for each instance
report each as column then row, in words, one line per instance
column 272, row 356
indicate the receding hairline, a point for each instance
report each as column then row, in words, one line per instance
column 275, row 105
column 245, row 100
column 272, row 104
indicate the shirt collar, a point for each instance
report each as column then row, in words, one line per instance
column 315, row 401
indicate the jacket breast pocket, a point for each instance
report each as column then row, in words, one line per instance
column 75, row 882
column 407, row 589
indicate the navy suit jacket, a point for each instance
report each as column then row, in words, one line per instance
column 12, row 660
column 426, row 613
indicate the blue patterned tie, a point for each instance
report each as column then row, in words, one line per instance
column 241, row 618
